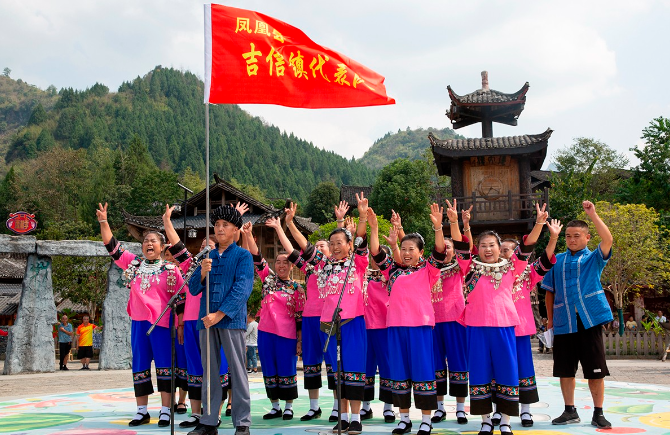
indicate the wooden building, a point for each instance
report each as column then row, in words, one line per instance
column 190, row 220
column 495, row 174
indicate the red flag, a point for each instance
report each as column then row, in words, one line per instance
column 251, row 58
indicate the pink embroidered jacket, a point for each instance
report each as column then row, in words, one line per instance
column 150, row 287
column 313, row 304
column 523, row 286
column 410, row 289
column 488, row 287
column 282, row 304
column 448, row 299
column 375, row 299
column 331, row 275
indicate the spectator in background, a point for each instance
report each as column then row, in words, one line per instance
column 251, row 338
column 85, row 341
column 631, row 324
column 615, row 323
column 541, row 330
column 64, row 341
column 660, row 318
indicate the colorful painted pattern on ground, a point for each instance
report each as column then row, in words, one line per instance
column 632, row 409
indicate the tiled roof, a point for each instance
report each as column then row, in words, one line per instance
column 12, row 267
column 197, row 222
column 348, row 193
column 10, row 288
column 490, row 143
column 488, row 97
column 9, row 304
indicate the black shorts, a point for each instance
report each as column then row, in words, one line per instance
column 85, row 352
column 584, row 346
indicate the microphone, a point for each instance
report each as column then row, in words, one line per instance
column 358, row 242
column 202, row 254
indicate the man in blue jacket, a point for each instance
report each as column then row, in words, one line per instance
column 231, row 277
column 576, row 307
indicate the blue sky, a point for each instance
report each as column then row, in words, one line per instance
column 596, row 68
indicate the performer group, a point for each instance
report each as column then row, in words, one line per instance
column 454, row 321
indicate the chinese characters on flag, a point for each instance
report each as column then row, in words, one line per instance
column 251, row 58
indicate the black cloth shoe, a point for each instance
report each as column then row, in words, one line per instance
column 180, row 408
column 229, row 410
column 65, row 368
column 345, row 426
column 192, row 421
column 389, row 416
column 495, row 419
column 162, row 422
column 287, row 415
column 600, row 422
column 526, row 422
column 242, row 430
column 274, row 413
column 203, row 429
column 355, row 427
column 438, row 416
column 138, row 421
column 403, row 427
column 333, row 416
column 567, row 418
column 461, row 418
column 366, row 414
column 311, row 415
column 422, row 429
column 488, row 427
column 506, row 432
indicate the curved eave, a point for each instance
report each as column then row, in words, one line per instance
column 518, row 97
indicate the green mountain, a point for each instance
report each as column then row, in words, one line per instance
column 409, row 144
column 165, row 110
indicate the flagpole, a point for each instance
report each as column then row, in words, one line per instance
column 207, row 219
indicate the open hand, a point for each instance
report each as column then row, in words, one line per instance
column 437, row 214
column 392, row 239
column 554, row 228
column 273, row 223
column 242, row 207
column 372, row 218
column 341, row 210
column 395, row 219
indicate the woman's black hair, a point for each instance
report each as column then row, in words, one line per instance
column 489, row 233
column 386, row 249
column 160, row 235
column 344, row 231
column 416, row 238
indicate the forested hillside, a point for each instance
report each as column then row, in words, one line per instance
column 164, row 110
column 408, row 144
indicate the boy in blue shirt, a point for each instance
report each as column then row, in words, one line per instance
column 576, row 308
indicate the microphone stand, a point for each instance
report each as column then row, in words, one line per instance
column 171, row 305
column 336, row 324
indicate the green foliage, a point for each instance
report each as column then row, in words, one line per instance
column 254, row 302
column 324, row 230
column 251, row 190
column 82, row 280
column 405, row 186
column 650, row 183
column 164, row 111
column 408, row 144
column 6, row 72
column 634, row 228
column 321, row 202
column 38, row 116
column 8, row 194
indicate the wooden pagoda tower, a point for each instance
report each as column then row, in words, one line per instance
column 492, row 173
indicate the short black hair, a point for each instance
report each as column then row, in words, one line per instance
column 488, row 234
column 577, row 223
column 344, row 231
column 416, row 238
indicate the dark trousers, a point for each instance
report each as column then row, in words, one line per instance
column 64, row 351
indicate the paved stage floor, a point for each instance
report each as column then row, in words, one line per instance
column 632, row 409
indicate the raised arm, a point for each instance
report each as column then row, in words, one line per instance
column 436, row 216
column 295, row 232
column 340, row 212
column 554, row 228
column 285, row 242
column 540, row 221
column 606, row 239
column 374, row 231
column 171, row 234
column 105, row 231
column 392, row 240
column 465, row 216
column 452, row 216
column 396, row 221
column 362, row 215
column 248, row 239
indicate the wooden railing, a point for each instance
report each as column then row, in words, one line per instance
column 636, row 343
column 508, row 206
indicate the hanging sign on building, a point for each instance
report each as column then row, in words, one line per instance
column 21, row 222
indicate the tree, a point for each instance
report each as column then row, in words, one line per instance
column 322, row 201
column 38, row 116
column 650, row 183
column 635, row 231
column 324, row 230
column 405, row 187
column 81, row 280
column 6, row 72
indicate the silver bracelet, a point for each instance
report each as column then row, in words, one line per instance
column 104, row 220
column 437, row 229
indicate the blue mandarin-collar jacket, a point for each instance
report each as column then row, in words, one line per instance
column 575, row 282
column 230, row 283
